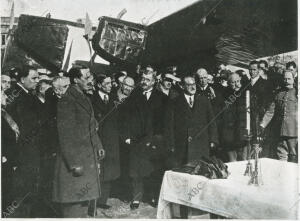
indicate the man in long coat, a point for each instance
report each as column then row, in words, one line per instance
column 105, row 110
column 22, row 106
column 76, row 178
column 233, row 129
column 191, row 130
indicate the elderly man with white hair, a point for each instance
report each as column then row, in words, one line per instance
column 203, row 87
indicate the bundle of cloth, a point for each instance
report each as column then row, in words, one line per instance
column 212, row 168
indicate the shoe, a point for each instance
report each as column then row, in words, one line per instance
column 103, row 206
column 134, row 205
column 154, row 203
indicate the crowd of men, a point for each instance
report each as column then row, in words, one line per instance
column 67, row 140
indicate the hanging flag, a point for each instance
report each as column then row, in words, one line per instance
column 121, row 13
column 88, row 27
column 66, row 65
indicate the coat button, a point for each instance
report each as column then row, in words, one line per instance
column 190, row 139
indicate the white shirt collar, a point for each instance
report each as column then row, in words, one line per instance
column 23, row 88
column 187, row 97
column 148, row 93
column 254, row 80
column 166, row 92
column 204, row 88
column 121, row 96
column 102, row 94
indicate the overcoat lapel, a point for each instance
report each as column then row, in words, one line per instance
column 82, row 100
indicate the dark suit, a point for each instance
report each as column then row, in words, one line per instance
column 197, row 123
column 79, row 144
column 217, row 102
column 106, row 115
column 27, row 175
column 232, row 136
column 260, row 97
column 146, row 126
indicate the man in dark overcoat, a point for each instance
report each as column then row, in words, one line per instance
column 191, row 131
column 232, row 133
column 76, row 178
column 146, row 132
column 105, row 110
column 260, row 96
column 22, row 108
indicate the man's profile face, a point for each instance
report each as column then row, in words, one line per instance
column 5, row 82
column 85, row 82
column 106, row 85
column 289, row 79
column 127, row 86
column 254, row 70
column 189, row 85
column 31, row 80
column 147, row 81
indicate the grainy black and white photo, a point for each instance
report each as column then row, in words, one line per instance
column 149, row 109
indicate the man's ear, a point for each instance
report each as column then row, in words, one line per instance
column 22, row 80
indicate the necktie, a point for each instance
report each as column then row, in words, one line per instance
column 191, row 101
column 146, row 94
column 105, row 99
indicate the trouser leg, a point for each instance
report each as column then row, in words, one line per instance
column 105, row 192
column 232, row 155
column 138, row 188
column 242, row 153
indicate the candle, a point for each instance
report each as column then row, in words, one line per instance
column 248, row 111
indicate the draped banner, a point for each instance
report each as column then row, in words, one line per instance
column 119, row 41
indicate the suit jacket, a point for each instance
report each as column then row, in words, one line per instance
column 146, row 120
column 79, row 144
column 233, row 127
column 198, row 123
column 284, row 112
column 260, row 98
column 217, row 102
column 106, row 115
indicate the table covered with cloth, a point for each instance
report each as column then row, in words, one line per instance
column 277, row 198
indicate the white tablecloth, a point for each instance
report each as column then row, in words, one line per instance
column 277, row 198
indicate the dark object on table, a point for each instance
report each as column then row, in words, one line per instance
column 212, row 168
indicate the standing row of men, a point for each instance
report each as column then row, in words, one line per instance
column 74, row 141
